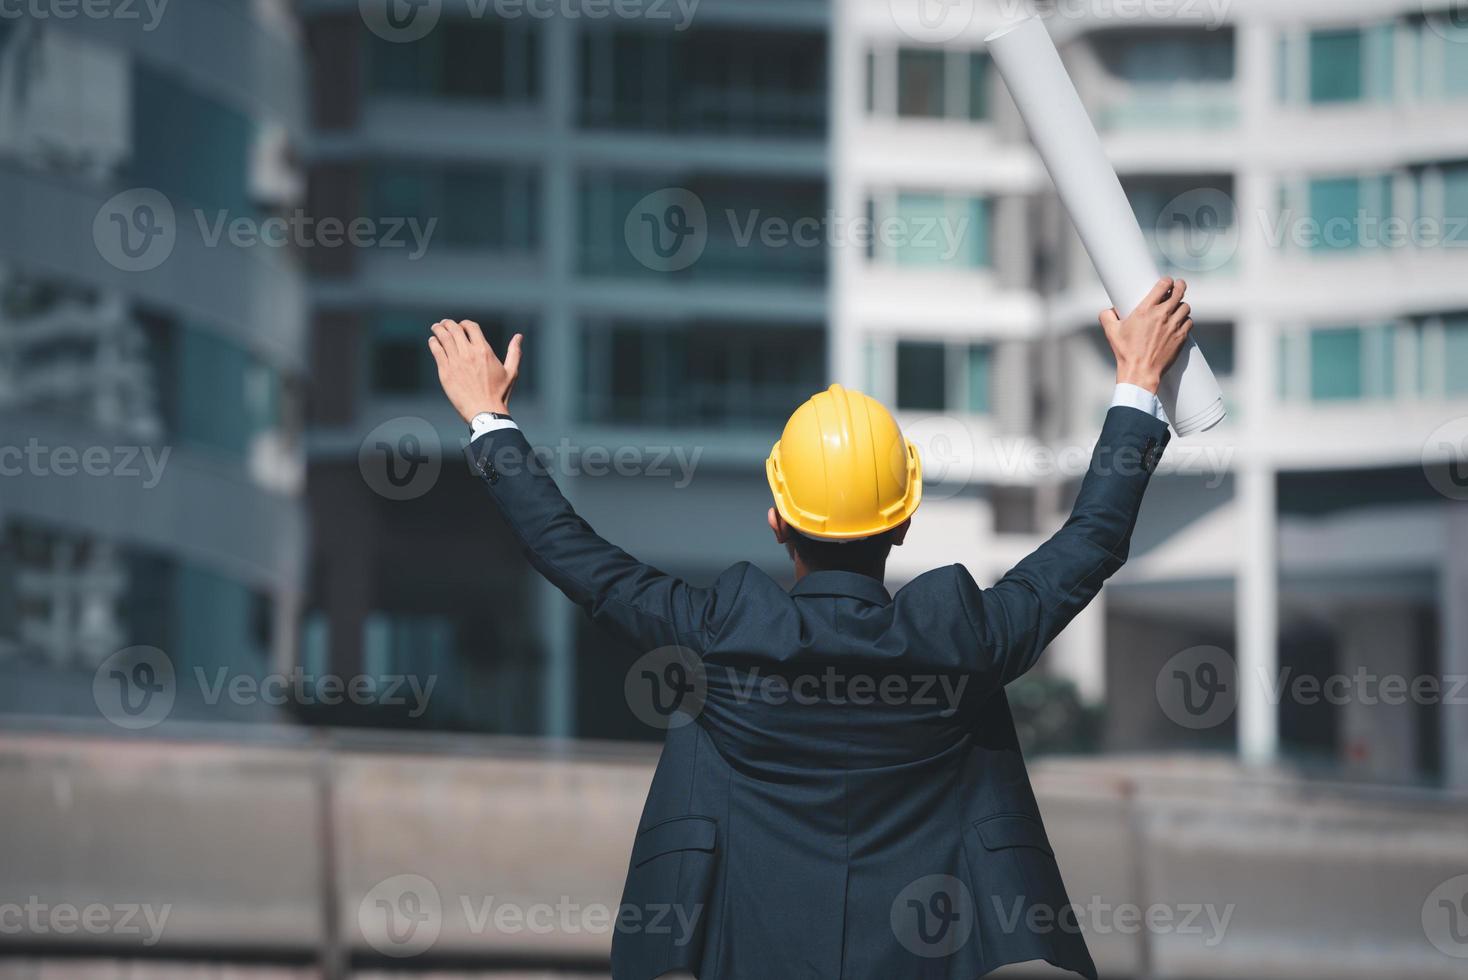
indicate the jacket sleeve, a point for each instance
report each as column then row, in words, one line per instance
column 1017, row 618
column 637, row 602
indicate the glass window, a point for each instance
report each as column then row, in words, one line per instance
column 1336, row 69
column 744, row 82
column 978, row 85
column 1349, row 211
column 935, row 229
column 399, row 363
column 479, row 58
column 1335, row 364
column 489, row 206
column 189, row 147
column 922, row 377
column 920, row 83
column 1455, row 355
column 980, row 370
column 714, row 374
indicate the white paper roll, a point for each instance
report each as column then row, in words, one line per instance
column 1091, row 192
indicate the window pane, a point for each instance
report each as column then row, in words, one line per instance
column 920, row 83
column 1335, row 66
column 1335, row 364
column 980, row 366
column 1455, row 355
column 921, row 376
column 1335, row 204
column 978, row 86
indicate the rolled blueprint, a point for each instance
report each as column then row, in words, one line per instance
column 1091, row 192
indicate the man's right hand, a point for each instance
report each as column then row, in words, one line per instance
column 1148, row 341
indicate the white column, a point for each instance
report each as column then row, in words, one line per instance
column 1256, row 603
column 1257, row 612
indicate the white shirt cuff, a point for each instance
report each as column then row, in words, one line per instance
column 1131, row 396
column 478, row 428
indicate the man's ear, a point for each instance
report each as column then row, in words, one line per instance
column 778, row 525
column 899, row 533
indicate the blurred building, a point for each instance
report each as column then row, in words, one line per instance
column 1317, row 532
column 529, row 140
column 149, row 374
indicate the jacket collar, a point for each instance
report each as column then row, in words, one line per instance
column 847, row 584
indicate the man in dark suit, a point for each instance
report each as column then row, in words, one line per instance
column 847, row 797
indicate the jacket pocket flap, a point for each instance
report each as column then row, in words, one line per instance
column 678, row 834
column 1013, row 830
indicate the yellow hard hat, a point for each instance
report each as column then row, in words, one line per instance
column 842, row 469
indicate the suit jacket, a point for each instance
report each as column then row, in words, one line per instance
column 841, row 792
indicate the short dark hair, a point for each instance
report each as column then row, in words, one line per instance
column 860, row 555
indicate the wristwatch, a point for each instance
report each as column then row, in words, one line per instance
column 488, row 422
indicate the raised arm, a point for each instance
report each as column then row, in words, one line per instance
column 1035, row 600
column 641, row 604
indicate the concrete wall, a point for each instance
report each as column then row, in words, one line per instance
column 1240, row 874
